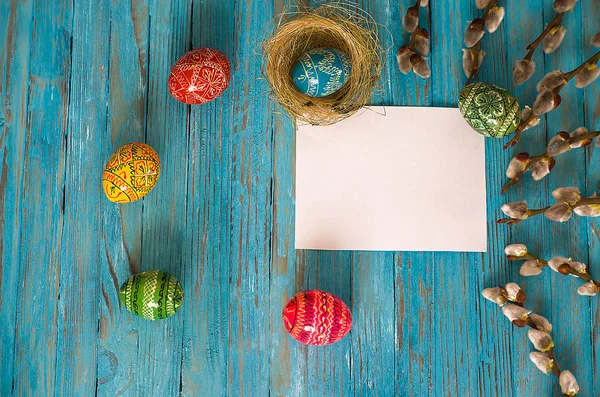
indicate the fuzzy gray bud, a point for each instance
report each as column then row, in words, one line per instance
column 523, row 70
column 516, row 210
column 563, row 5
column 421, row 41
column 403, row 58
column 541, row 340
column 411, row 19
column 542, row 361
column 517, row 166
column 558, row 144
column 530, row 267
column 568, row 383
column 496, row 295
column 542, row 167
column 568, row 195
column 515, row 250
column 588, row 289
column 554, row 39
column 541, row 322
column 494, row 19
column 471, row 60
column 545, row 102
column 595, row 39
column 587, row 75
column 558, row 212
column 420, row 66
column 474, row 32
column 551, row 81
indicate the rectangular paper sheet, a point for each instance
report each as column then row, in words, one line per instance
column 391, row 179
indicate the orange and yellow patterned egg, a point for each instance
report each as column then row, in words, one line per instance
column 316, row 318
column 130, row 173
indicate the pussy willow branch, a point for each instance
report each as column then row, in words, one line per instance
column 544, row 263
column 555, row 368
column 477, row 46
column 568, row 77
column 535, row 212
column 532, row 47
column 533, row 160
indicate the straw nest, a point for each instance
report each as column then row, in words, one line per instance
column 347, row 29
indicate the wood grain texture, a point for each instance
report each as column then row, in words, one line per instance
column 81, row 78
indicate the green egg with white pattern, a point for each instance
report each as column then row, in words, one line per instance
column 153, row 294
column 488, row 109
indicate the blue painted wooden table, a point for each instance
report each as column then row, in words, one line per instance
column 80, row 78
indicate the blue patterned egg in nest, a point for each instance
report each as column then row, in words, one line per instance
column 321, row 72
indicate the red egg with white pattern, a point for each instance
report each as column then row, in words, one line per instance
column 199, row 76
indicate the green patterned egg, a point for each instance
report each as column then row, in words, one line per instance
column 490, row 110
column 153, row 295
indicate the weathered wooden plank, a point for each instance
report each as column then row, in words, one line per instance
column 250, row 210
column 42, row 221
column 122, row 223
column 205, row 353
column 413, row 290
column 590, row 12
column 325, row 371
column 456, row 281
column 458, row 278
column 15, row 48
column 160, row 343
column 80, row 248
column 373, row 303
column 329, row 368
column 505, row 347
column 574, row 344
column 289, row 359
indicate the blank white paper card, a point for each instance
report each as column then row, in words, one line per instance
column 391, row 179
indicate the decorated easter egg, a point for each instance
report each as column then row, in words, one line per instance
column 153, row 295
column 199, row 76
column 130, row 173
column 321, row 72
column 490, row 110
column 316, row 318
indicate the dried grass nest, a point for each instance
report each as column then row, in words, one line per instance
column 343, row 27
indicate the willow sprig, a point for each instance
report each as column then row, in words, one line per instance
column 548, row 97
column 511, row 299
column 413, row 56
column 491, row 20
column 568, row 201
column 542, row 164
column 551, row 37
column 534, row 265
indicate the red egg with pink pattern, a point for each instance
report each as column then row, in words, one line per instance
column 316, row 318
